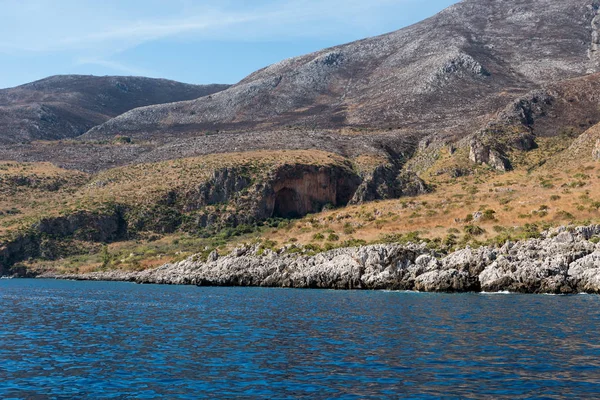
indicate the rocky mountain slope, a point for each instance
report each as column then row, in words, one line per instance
column 445, row 76
column 66, row 106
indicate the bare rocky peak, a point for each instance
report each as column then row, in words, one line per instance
column 445, row 76
column 68, row 105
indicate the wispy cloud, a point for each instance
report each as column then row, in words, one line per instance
column 112, row 36
column 143, row 31
column 109, row 33
column 115, row 66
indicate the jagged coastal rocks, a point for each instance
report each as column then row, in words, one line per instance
column 563, row 261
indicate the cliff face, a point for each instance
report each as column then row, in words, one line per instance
column 50, row 238
column 288, row 191
column 295, row 192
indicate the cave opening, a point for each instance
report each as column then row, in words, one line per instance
column 287, row 204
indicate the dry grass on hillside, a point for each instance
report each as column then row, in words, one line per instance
column 33, row 190
column 485, row 205
column 132, row 183
column 514, row 199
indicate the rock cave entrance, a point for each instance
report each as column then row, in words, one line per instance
column 287, row 204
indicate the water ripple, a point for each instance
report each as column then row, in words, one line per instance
column 120, row 340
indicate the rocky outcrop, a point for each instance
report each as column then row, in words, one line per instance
column 563, row 261
column 480, row 153
column 222, row 187
column 287, row 191
column 49, row 238
column 565, row 108
column 524, row 142
column 596, row 151
column 295, row 191
column 388, row 182
column 527, row 109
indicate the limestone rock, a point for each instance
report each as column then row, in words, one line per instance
column 563, row 264
column 596, row 151
column 483, row 154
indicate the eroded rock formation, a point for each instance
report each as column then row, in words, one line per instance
column 295, row 192
column 483, row 154
column 50, row 238
column 596, row 151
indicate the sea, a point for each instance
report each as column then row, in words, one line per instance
column 107, row 340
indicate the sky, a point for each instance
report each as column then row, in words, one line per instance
column 193, row 41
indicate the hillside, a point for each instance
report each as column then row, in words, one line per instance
column 44, row 207
column 66, row 106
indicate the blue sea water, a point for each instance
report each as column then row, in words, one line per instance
column 118, row 340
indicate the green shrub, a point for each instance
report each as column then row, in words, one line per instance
column 489, row 215
column 474, row 230
column 410, row 237
column 312, row 249
column 450, row 240
column 318, row 236
column 565, row 215
column 333, row 237
column 349, row 229
column 354, row 243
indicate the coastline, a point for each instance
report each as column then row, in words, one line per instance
column 563, row 261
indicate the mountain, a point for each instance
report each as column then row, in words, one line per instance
column 66, row 106
column 445, row 76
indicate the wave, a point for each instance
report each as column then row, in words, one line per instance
column 500, row 292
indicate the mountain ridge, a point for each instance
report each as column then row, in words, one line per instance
column 65, row 106
column 441, row 74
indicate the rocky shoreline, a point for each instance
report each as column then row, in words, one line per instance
column 563, row 261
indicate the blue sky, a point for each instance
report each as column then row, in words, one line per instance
column 195, row 41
